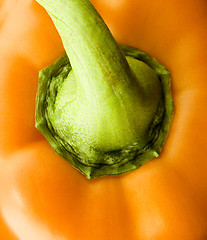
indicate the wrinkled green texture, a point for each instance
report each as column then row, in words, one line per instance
column 110, row 160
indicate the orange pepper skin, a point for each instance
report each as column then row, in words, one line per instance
column 43, row 197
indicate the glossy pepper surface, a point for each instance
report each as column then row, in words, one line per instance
column 42, row 196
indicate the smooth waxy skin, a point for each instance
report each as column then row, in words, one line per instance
column 43, row 197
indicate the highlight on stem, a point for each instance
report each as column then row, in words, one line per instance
column 105, row 108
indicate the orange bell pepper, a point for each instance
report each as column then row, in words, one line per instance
column 41, row 195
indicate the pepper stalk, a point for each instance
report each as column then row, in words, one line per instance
column 104, row 112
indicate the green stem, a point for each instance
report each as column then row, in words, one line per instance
column 106, row 109
column 94, row 55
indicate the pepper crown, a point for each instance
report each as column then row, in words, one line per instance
column 105, row 108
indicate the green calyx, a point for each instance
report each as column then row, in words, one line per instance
column 105, row 108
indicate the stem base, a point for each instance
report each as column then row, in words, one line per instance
column 116, row 161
